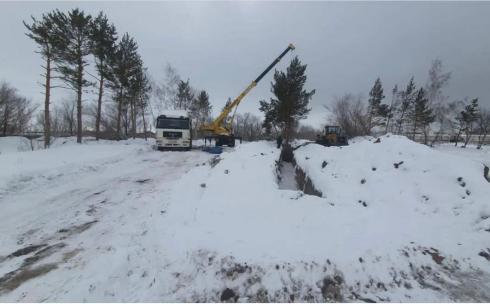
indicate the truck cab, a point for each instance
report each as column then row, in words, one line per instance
column 173, row 131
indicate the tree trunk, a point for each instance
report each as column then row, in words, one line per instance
column 119, row 114
column 426, row 135
column 99, row 108
column 47, row 93
column 467, row 139
column 400, row 123
column 6, row 116
column 79, row 101
column 457, row 137
column 414, row 130
column 126, row 122
column 133, row 117
column 144, row 121
column 387, row 124
column 481, row 140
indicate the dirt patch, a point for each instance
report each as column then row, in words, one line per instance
column 27, row 271
column 434, row 253
column 398, row 164
column 14, row 279
column 26, row 250
column 228, row 295
column 486, row 173
column 214, row 161
column 332, row 288
column 485, row 254
column 42, row 254
column 71, row 254
column 143, row 181
column 75, row 229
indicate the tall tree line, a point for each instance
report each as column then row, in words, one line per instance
column 68, row 43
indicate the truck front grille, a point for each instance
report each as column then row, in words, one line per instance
column 172, row 135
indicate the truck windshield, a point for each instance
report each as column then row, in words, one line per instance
column 173, row 123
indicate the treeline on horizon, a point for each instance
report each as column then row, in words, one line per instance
column 422, row 113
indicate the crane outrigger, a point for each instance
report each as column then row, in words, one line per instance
column 221, row 129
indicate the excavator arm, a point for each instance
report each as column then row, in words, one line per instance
column 220, row 126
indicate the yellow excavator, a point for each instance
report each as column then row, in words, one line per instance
column 221, row 129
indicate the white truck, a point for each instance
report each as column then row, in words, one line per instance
column 173, row 131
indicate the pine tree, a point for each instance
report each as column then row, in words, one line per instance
column 466, row 120
column 200, row 109
column 124, row 65
column 227, row 103
column 102, row 42
column 270, row 114
column 43, row 32
column 139, row 89
column 184, row 95
column 376, row 112
column 290, row 102
column 391, row 109
column 144, row 96
column 421, row 114
column 73, row 47
column 407, row 98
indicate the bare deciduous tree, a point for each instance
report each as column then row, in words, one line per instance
column 349, row 112
column 15, row 111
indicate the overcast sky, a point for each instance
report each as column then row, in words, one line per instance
column 223, row 46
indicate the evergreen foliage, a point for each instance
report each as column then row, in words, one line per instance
column 103, row 39
column 290, row 102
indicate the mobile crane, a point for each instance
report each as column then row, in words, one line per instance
column 221, row 129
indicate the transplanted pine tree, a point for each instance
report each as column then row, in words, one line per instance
column 184, row 95
column 377, row 112
column 73, row 47
column 290, row 101
column 43, row 32
column 103, row 37
column 421, row 114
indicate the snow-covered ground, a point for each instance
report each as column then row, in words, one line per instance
column 481, row 155
column 14, row 144
column 108, row 221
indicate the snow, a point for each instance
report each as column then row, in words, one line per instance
column 287, row 177
column 139, row 225
column 13, row 144
column 481, row 155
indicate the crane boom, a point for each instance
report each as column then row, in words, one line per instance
column 219, row 127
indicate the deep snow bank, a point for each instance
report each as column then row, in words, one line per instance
column 398, row 221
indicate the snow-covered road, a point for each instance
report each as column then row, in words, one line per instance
column 82, row 223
